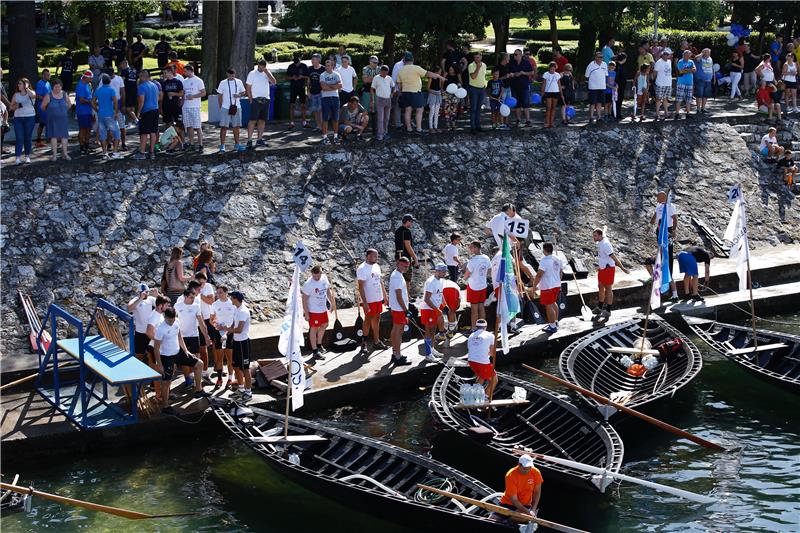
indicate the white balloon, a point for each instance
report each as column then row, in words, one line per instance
column 716, row 67
column 461, row 92
column 452, row 88
column 732, row 41
column 731, row 36
column 505, row 110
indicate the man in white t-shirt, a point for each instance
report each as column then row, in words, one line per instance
column 141, row 308
column 430, row 311
column 480, row 350
column 317, row 293
column 229, row 92
column 496, row 227
column 154, row 320
column 118, row 84
column 205, row 297
column 257, row 83
column 192, row 325
column 672, row 225
column 548, row 279
column 222, row 312
column 475, row 275
column 398, row 304
column 607, row 263
column 241, row 347
column 193, row 92
column 596, row 74
column 662, row 71
column 451, row 258
column 170, row 351
column 349, row 80
column 373, row 296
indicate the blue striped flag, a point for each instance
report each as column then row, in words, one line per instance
column 508, row 305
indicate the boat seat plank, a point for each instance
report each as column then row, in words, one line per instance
column 622, row 349
column 279, row 439
column 760, row 348
column 494, row 403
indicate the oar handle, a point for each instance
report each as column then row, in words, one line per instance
column 602, row 399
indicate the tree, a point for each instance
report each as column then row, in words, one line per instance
column 598, row 21
column 210, row 43
column 554, row 9
column 225, row 31
column 244, row 37
column 21, row 20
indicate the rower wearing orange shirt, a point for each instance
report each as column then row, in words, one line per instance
column 523, row 487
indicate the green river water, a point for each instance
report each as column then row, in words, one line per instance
column 757, row 483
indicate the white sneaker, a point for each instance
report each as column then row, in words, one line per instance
column 432, row 359
column 18, row 161
column 27, row 160
column 436, row 353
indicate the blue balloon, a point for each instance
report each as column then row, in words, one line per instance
column 718, row 75
column 536, row 98
column 570, row 112
column 510, row 101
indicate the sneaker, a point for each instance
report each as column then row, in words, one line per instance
column 249, row 145
column 105, row 156
column 201, row 394
column 549, row 329
column 222, row 148
column 674, row 297
column 306, row 124
column 261, row 142
column 235, row 395
column 247, row 395
column 291, row 125
column 140, row 156
column 116, row 155
column 400, row 361
column 436, row 353
column 432, row 359
column 440, row 336
column 218, row 383
column 239, row 148
column 698, row 298
column 326, row 140
column 336, row 139
column 596, row 310
column 207, row 381
column 27, row 160
column 605, row 313
column 379, row 346
column 18, row 161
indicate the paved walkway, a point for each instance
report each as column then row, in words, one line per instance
column 280, row 137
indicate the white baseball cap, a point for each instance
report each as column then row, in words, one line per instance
column 526, row 461
column 143, row 287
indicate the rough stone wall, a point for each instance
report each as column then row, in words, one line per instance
column 87, row 232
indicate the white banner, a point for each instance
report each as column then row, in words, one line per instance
column 302, row 257
column 736, row 234
column 291, row 338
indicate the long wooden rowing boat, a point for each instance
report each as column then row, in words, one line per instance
column 11, row 501
column 546, row 423
column 592, row 363
column 372, row 476
column 776, row 359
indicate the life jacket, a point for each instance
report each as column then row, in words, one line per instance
column 670, row 350
column 636, row 370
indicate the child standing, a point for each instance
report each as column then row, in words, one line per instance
column 642, row 91
column 763, row 98
column 551, row 93
column 611, row 92
column 567, row 83
column 776, row 96
column 434, row 100
column 451, row 102
column 495, row 89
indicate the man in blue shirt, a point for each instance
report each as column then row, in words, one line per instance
column 703, row 78
column 83, row 110
column 608, row 51
column 107, row 105
column 148, row 102
column 42, row 90
column 520, row 72
column 683, row 91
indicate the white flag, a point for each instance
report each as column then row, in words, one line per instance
column 291, row 338
column 736, row 234
column 655, row 292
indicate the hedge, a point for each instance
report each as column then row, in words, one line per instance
column 715, row 40
column 545, row 54
column 543, row 34
column 184, row 35
column 53, row 56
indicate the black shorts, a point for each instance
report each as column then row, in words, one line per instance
column 568, row 99
column 66, row 80
column 552, row 95
column 168, row 364
column 259, row 109
column 185, row 359
column 297, row 93
column 216, row 339
column 597, row 96
column 241, row 354
column 172, row 113
column 148, row 122
column 790, row 84
column 131, row 98
column 193, row 343
column 140, row 342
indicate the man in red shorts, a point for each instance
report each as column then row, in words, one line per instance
column 480, row 347
column 430, row 311
column 475, row 275
column 373, row 296
column 607, row 263
column 398, row 303
column 549, row 276
column 317, row 293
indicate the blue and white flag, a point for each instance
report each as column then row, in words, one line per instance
column 508, row 304
column 291, row 337
column 736, row 234
column 661, row 274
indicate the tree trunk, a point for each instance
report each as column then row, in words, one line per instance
column 587, row 41
column 500, row 25
column 209, row 66
column 224, row 32
column 129, row 20
column 551, row 16
column 244, row 37
column 97, row 26
column 388, row 47
column 21, row 20
column 416, row 43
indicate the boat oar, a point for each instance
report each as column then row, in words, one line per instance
column 603, row 472
column 63, row 366
column 502, row 510
column 586, row 313
column 627, row 410
column 124, row 513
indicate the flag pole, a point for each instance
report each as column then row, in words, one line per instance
column 743, row 214
column 496, row 327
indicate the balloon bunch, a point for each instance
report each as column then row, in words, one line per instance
column 737, row 32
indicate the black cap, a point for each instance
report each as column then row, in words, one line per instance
column 236, row 294
column 409, row 216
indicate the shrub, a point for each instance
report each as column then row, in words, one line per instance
column 543, row 34
column 545, row 54
column 191, row 52
column 184, row 35
column 715, row 40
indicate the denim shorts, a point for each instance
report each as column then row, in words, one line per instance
column 702, row 89
column 314, row 103
column 106, row 125
column 330, row 108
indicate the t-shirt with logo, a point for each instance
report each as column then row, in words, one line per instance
column 371, row 276
column 313, row 76
column 317, row 292
column 206, row 290
column 435, row 286
column 108, row 54
column 705, row 69
column 137, row 49
column 478, row 267
column 168, row 336
column 131, row 78
column 597, row 74
column 191, row 87
column 551, row 266
column 479, row 345
column 350, row 115
column 397, row 281
column 663, row 70
column 330, row 78
column 67, row 65
column 187, row 314
column 521, row 485
column 495, row 88
column 162, row 49
column 105, row 101
column 141, row 313
column 223, row 312
column 686, row 78
column 299, row 69
column 242, row 316
column 172, row 86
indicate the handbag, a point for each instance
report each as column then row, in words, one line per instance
column 233, row 109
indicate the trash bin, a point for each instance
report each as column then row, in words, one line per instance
column 271, row 112
column 245, row 103
column 282, row 101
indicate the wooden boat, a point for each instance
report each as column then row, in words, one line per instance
column 547, row 423
column 778, row 356
column 591, row 362
column 11, row 501
column 367, row 474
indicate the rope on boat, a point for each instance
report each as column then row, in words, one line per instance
column 747, row 311
column 432, row 498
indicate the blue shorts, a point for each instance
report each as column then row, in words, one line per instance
column 330, row 108
column 687, row 264
column 41, row 116
column 106, row 125
column 413, row 100
column 702, row 89
column 314, row 103
column 85, row 121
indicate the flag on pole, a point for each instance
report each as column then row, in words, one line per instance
column 291, row 336
column 508, row 304
column 736, row 234
column 661, row 274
